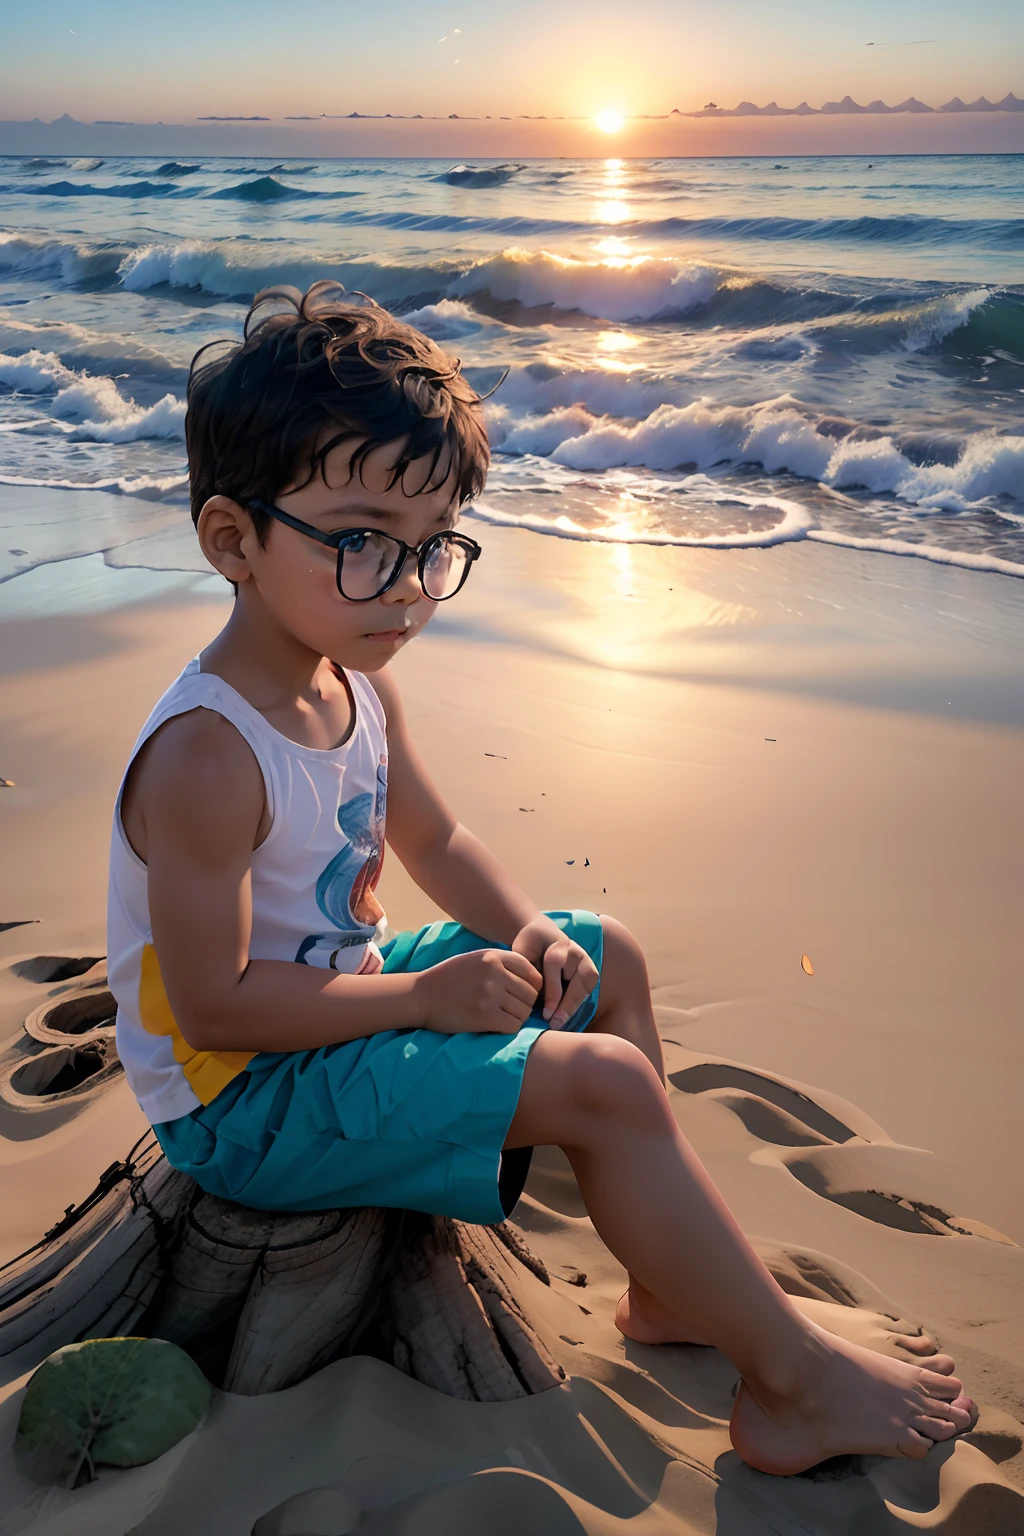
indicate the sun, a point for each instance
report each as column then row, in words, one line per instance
column 609, row 122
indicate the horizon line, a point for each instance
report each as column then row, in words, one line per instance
column 1010, row 103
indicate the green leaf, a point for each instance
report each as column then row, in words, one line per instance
column 113, row 1402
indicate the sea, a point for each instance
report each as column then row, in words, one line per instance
column 723, row 353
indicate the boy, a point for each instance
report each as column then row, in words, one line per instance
column 289, row 1059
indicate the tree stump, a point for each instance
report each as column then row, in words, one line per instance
column 261, row 1299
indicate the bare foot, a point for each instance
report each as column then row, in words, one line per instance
column 848, row 1401
column 641, row 1316
column 874, row 1330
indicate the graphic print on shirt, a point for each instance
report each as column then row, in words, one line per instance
column 345, row 889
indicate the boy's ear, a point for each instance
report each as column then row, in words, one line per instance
column 227, row 537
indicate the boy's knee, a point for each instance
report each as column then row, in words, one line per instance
column 612, row 1077
column 619, row 941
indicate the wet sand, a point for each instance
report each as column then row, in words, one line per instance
column 841, row 782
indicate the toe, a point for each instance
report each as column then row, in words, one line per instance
column 957, row 1414
column 914, row 1445
column 921, row 1344
column 935, row 1429
column 936, row 1384
column 943, row 1365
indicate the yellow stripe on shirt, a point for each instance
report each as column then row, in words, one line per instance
column 207, row 1072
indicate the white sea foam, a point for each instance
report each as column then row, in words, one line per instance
column 103, row 415
column 964, row 559
column 779, row 435
column 142, row 487
column 93, row 402
column 34, row 372
column 541, row 434
column 449, row 320
column 640, row 288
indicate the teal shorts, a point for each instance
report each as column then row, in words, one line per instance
column 412, row 1119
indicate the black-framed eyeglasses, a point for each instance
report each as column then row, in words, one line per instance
column 370, row 562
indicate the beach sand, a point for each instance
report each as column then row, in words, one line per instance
column 839, row 780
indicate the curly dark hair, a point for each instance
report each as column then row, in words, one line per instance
column 315, row 370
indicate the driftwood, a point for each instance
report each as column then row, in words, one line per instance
column 262, row 1300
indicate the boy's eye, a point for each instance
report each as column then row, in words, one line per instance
column 354, row 542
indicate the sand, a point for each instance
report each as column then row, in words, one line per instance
column 761, row 789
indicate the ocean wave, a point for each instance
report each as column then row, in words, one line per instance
column 95, row 406
column 86, row 189
column 970, row 321
column 655, row 288
column 912, row 326
column 171, row 168
column 69, row 261
column 269, row 170
column 645, row 288
column 91, row 351
column 780, row 435
column 480, row 175
column 448, row 320
column 787, row 319
column 899, row 231
column 238, row 270
column 997, row 325
column 267, row 189
column 142, row 487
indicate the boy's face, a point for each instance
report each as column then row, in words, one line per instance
column 293, row 578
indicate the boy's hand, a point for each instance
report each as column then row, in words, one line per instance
column 569, row 973
column 491, row 991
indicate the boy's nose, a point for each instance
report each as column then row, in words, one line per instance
column 407, row 588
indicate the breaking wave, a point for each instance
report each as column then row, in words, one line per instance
column 174, row 168
column 648, row 289
column 783, row 320
column 93, row 406
column 779, row 436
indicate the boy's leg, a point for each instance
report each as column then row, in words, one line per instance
column 625, row 1009
column 807, row 1395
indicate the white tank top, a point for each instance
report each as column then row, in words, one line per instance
column 313, row 880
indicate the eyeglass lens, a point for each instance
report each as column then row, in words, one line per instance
column 366, row 562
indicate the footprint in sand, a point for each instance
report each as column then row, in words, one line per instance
column 837, row 1152
column 62, row 1074
column 76, row 1030
column 88, row 1014
column 770, row 1108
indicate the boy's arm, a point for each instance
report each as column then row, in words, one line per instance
column 197, row 794
column 465, row 879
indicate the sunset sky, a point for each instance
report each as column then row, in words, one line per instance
column 125, row 59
